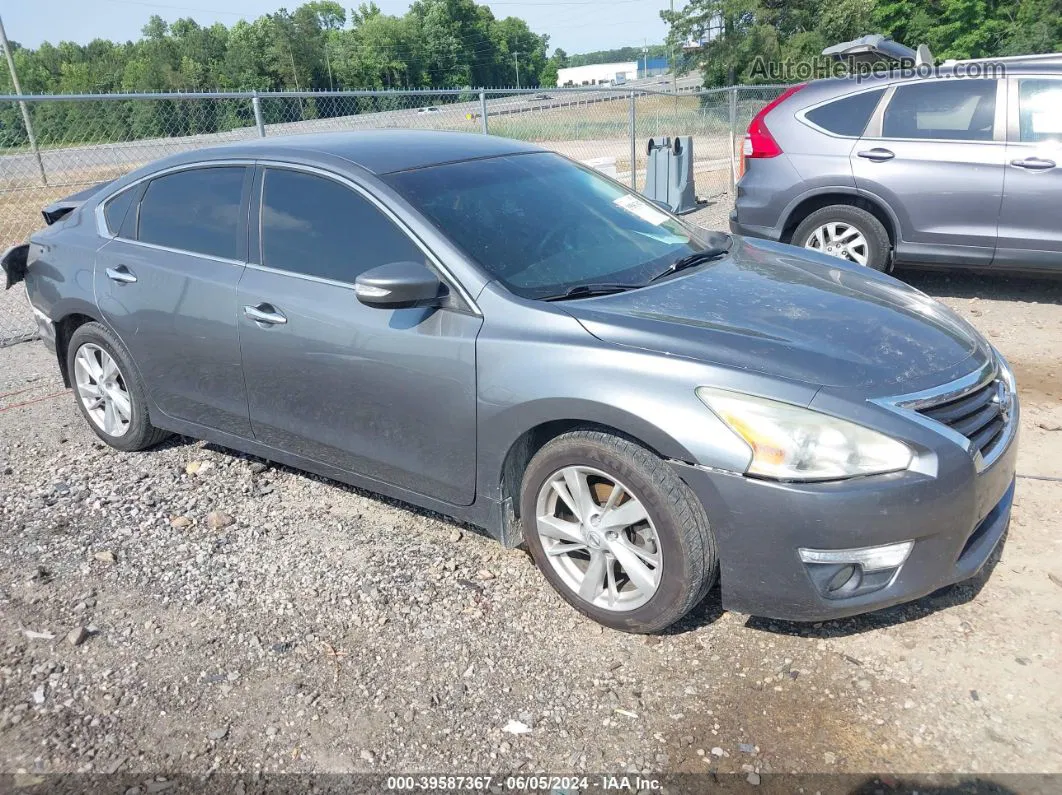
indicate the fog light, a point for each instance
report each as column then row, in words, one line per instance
column 845, row 576
column 890, row 556
column 845, row 573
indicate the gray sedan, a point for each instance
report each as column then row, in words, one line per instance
column 491, row 331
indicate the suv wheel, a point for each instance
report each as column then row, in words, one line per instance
column 108, row 389
column 847, row 232
column 616, row 532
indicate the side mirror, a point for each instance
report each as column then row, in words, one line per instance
column 399, row 285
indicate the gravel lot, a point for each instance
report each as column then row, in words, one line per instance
column 193, row 611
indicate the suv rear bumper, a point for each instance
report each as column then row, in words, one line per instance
column 751, row 230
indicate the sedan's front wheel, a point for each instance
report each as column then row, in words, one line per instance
column 616, row 532
column 108, row 389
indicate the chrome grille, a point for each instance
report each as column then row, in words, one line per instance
column 981, row 415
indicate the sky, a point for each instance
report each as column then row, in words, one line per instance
column 574, row 25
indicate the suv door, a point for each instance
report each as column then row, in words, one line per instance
column 1029, row 232
column 387, row 394
column 934, row 153
column 166, row 283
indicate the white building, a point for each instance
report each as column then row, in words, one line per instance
column 597, row 74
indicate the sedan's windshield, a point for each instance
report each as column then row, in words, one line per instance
column 542, row 225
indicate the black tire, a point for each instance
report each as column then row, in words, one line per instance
column 140, row 434
column 878, row 246
column 689, row 561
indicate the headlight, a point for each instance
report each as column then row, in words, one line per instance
column 1005, row 372
column 793, row 443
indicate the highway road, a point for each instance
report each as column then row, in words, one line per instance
column 73, row 165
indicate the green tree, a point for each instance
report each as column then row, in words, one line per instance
column 1034, row 26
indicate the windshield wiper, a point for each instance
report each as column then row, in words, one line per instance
column 696, row 258
column 589, row 290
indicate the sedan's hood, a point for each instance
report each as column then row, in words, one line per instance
column 779, row 310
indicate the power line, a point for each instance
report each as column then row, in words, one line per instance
column 606, row 3
column 545, row 3
column 587, row 4
column 463, row 39
column 177, row 8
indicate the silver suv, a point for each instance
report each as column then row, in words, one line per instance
column 941, row 169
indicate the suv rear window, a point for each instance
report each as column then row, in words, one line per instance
column 955, row 110
column 848, row 115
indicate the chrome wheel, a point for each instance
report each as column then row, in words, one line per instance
column 839, row 239
column 599, row 538
column 102, row 390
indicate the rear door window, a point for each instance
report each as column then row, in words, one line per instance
column 1040, row 110
column 196, row 210
column 947, row 110
column 116, row 209
column 318, row 227
column 847, row 116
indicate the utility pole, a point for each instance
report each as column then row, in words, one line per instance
column 516, row 57
column 291, row 54
column 21, row 104
column 331, row 86
column 674, row 66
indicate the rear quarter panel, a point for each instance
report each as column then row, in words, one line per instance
column 59, row 276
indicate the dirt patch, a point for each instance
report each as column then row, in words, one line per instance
column 325, row 629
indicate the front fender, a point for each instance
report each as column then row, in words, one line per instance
column 646, row 396
column 518, row 420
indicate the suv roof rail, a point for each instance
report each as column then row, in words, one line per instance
column 1044, row 57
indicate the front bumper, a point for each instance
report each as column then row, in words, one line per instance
column 955, row 518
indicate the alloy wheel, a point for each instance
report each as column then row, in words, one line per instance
column 102, row 390
column 839, row 239
column 599, row 538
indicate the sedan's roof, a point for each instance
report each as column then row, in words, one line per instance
column 379, row 151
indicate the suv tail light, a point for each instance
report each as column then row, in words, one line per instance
column 759, row 142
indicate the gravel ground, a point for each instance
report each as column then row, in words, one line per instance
column 193, row 611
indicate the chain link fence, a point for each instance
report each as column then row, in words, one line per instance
column 80, row 140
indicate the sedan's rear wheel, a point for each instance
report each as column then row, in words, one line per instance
column 108, row 389
column 102, row 391
column 616, row 532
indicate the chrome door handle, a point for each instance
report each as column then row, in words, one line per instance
column 265, row 313
column 877, row 155
column 121, row 275
column 1034, row 163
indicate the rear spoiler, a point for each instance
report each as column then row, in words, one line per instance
column 14, row 260
column 60, row 209
column 876, row 47
column 14, row 264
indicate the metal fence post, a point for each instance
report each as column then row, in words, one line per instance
column 256, row 104
column 21, row 104
column 483, row 112
column 634, row 148
column 733, row 138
